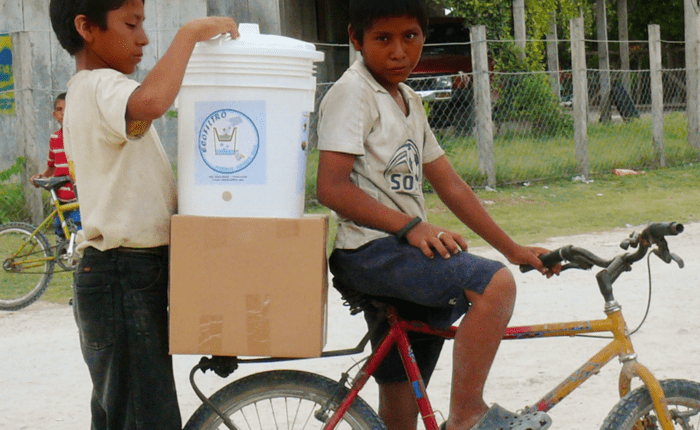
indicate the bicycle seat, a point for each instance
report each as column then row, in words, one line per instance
column 52, row 183
column 357, row 301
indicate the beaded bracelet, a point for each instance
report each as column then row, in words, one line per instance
column 401, row 234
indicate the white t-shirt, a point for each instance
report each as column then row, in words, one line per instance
column 358, row 116
column 126, row 186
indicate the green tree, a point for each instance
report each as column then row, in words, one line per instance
column 522, row 97
column 497, row 17
column 669, row 15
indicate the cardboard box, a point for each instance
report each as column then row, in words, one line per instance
column 248, row 286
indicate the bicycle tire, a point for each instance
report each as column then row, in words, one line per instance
column 21, row 286
column 635, row 411
column 281, row 399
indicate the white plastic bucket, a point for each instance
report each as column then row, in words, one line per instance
column 243, row 124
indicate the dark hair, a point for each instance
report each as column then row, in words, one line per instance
column 63, row 13
column 364, row 12
column 61, row 96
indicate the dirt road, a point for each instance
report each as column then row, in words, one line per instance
column 45, row 384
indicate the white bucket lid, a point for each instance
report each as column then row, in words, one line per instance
column 251, row 42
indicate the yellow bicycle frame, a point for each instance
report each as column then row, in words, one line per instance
column 59, row 211
column 620, row 346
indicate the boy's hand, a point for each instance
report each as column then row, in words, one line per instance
column 529, row 255
column 206, row 28
column 37, row 176
column 430, row 238
column 159, row 89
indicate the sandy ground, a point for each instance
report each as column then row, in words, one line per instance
column 45, row 384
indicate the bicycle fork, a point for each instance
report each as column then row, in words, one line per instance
column 632, row 368
column 71, row 245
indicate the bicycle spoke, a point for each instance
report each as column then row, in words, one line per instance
column 287, row 413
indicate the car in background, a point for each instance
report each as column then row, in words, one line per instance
column 442, row 74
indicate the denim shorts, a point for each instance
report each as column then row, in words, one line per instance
column 423, row 289
column 72, row 215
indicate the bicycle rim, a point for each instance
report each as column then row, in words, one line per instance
column 636, row 410
column 289, row 400
column 27, row 266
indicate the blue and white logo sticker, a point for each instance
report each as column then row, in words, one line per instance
column 228, row 141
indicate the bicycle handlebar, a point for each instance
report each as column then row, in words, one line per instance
column 661, row 229
column 580, row 258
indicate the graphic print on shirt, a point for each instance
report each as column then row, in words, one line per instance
column 404, row 172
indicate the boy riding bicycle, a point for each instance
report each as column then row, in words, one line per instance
column 376, row 146
column 57, row 165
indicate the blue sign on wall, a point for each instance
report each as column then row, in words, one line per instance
column 7, row 80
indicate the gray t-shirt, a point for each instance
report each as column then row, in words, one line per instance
column 358, row 116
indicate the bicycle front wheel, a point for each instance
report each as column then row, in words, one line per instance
column 635, row 411
column 287, row 399
column 27, row 263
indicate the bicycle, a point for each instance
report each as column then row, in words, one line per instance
column 296, row 399
column 28, row 259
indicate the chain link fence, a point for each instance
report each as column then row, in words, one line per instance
column 532, row 123
column 533, row 126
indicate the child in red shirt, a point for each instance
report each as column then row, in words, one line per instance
column 57, row 165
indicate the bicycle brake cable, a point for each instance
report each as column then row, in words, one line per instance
column 646, row 313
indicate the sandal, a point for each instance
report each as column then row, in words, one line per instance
column 497, row 418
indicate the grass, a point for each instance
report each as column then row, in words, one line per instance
column 559, row 208
column 521, row 157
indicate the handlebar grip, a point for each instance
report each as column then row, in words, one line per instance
column 548, row 260
column 661, row 229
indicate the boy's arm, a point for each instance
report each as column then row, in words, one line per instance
column 336, row 191
column 160, row 87
column 464, row 203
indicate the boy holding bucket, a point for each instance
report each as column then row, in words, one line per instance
column 127, row 195
column 376, row 146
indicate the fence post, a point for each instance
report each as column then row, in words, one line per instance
column 553, row 56
column 692, row 110
column 519, row 26
column 578, row 62
column 657, row 91
column 604, row 61
column 482, row 101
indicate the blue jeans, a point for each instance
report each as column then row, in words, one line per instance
column 120, row 304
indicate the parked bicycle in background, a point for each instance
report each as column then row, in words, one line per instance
column 27, row 255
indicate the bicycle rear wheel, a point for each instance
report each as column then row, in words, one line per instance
column 27, row 263
column 635, row 411
column 287, row 399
